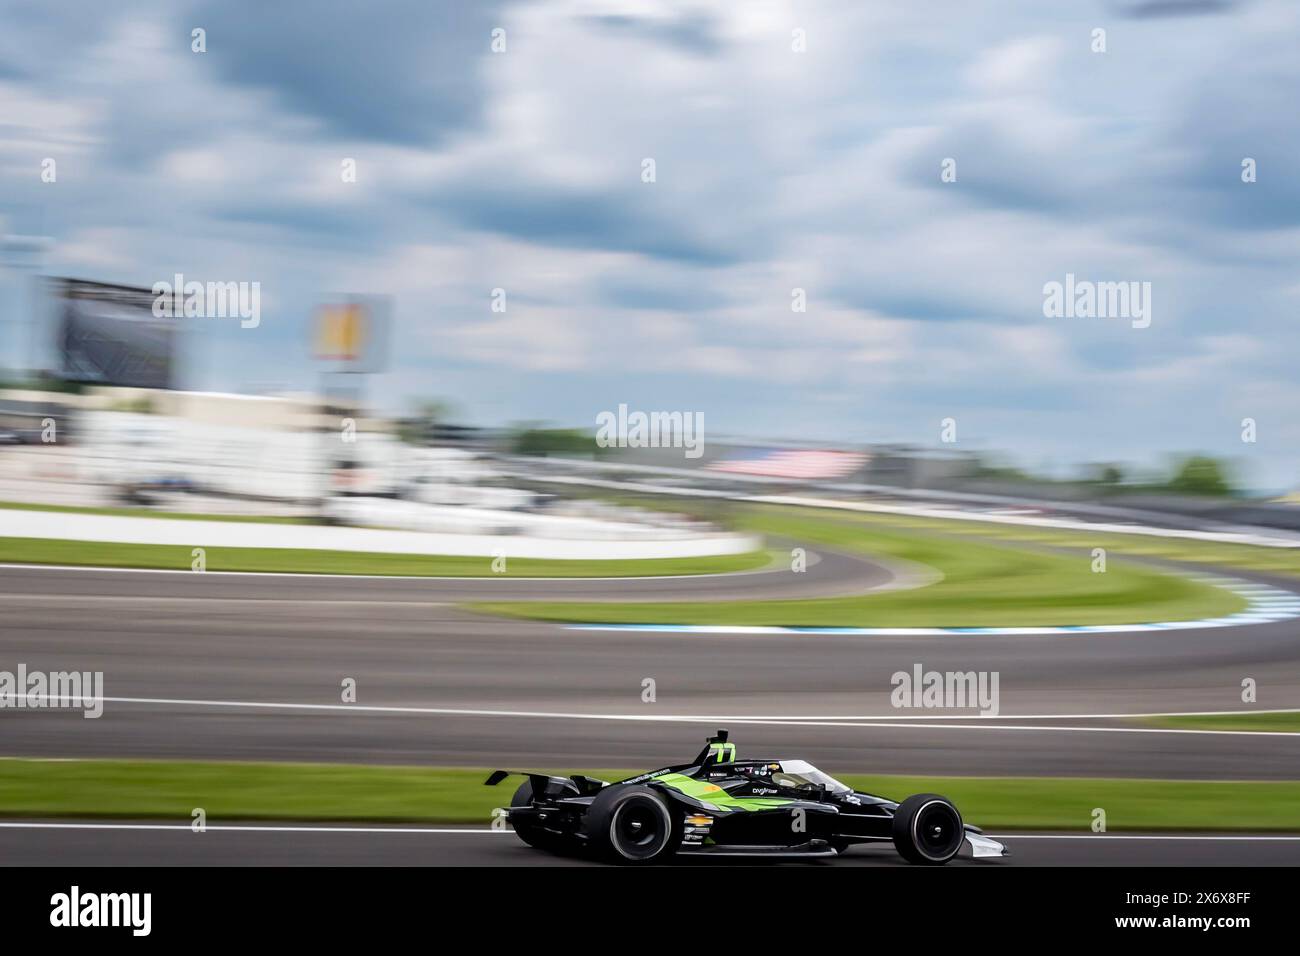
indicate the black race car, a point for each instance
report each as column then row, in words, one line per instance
column 718, row 805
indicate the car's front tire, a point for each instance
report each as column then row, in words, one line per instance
column 633, row 825
column 927, row 829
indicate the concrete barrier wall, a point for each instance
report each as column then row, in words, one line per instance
column 237, row 534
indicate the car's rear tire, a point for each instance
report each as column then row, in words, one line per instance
column 927, row 829
column 531, row 833
column 633, row 825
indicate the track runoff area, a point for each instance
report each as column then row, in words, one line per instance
column 252, row 630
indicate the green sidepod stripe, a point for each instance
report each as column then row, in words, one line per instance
column 713, row 796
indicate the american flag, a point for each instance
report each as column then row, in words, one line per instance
column 793, row 463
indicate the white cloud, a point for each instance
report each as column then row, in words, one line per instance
column 776, row 170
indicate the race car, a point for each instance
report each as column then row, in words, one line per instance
column 720, row 805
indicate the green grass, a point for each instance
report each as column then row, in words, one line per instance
column 1063, row 803
column 985, row 583
column 309, row 561
column 1280, row 561
column 271, row 791
column 1287, row 723
column 1284, row 562
column 993, row 575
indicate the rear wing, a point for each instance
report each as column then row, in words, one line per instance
column 544, row 785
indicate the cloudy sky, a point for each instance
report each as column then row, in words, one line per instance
column 775, row 169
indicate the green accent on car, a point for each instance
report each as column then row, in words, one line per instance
column 715, row 798
column 723, row 752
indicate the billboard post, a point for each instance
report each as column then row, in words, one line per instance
column 24, row 253
column 350, row 339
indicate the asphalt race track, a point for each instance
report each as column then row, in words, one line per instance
column 277, row 845
column 235, row 666
column 829, row 574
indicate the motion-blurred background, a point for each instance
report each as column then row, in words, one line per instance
column 600, row 296
column 533, row 212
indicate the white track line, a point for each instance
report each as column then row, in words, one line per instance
column 780, row 718
column 316, row 602
column 1142, row 836
column 773, row 568
column 888, row 721
column 237, row 828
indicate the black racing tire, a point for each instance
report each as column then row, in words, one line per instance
column 633, row 825
column 928, row 830
column 532, row 834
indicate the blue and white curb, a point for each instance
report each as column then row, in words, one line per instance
column 1266, row 605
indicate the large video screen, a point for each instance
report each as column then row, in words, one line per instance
column 108, row 335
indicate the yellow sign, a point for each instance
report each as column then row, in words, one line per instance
column 341, row 332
